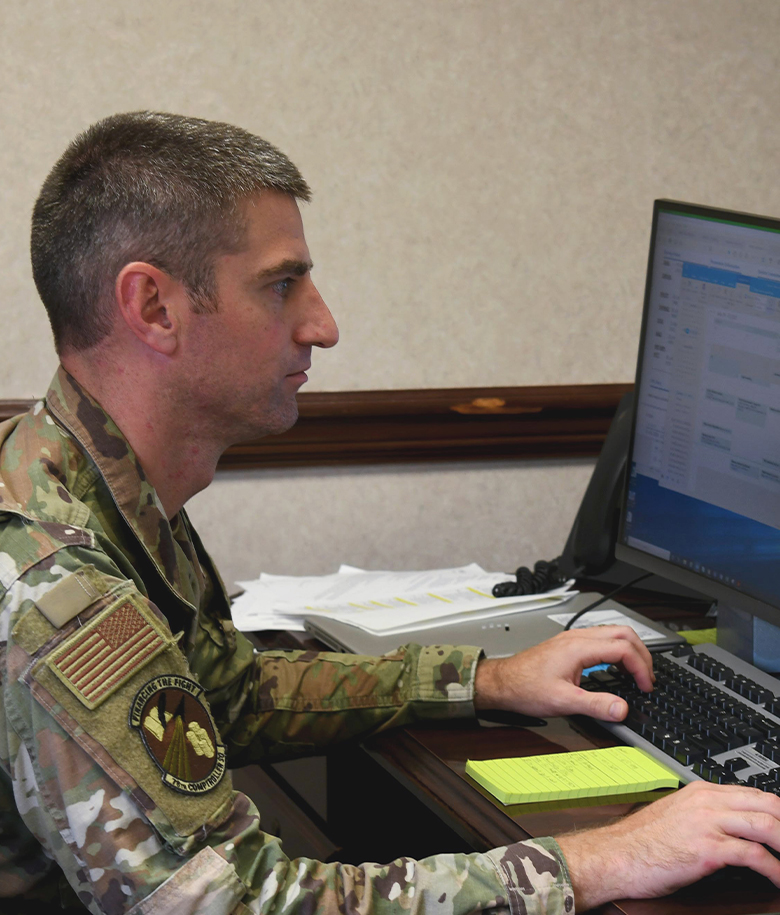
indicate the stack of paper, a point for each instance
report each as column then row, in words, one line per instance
column 381, row 602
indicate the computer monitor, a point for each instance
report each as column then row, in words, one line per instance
column 701, row 504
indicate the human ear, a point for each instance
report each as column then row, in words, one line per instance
column 148, row 300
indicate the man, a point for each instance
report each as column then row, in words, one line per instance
column 170, row 255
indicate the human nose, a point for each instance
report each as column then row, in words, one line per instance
column 318, row 327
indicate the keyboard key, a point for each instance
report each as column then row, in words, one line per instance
column 592, row 686
column 671, row 747
column 747, row 688
column 759, row 695
column 682, row 651
column 713, row 772
column 730, row 706
column 742, row 711
column 770, row 749
column 708, row 666
column 642, row 702
column 768, row 728
column 662, row 737
column 763, row 781
column 604, row 677
column 636, row 720
column 738, row 684
column 729, row 741
column 750, row 735
column 702, row 769
column 711, row 746
column 721, row 673
column 689, row 753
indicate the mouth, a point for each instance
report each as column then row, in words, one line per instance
column 300, row 376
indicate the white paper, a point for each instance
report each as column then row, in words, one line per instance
column 405, row 611
column 609, row 617
column 249, row 616
column 382, row 602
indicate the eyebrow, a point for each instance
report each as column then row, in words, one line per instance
column 293, row 266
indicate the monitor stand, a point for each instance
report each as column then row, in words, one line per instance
column 749, row 637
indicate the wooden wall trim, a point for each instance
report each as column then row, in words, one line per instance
column 451, row 424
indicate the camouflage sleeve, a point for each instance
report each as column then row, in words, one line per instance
column 121, row 778
column 286, row 703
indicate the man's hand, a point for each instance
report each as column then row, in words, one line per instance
column 544, row 680
column 674, row 842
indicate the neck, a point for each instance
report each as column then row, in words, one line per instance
column 176, row 452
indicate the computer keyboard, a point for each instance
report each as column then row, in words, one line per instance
column 711, row 716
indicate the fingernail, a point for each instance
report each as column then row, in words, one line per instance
column 615, row 710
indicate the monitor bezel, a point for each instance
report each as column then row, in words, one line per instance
column 632, row 555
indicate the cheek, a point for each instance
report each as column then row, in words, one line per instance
column 270, row 339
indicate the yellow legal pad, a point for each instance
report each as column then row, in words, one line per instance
column 556, row 776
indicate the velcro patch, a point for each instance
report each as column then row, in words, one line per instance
column 70, row 597
column 179, row 733
column 99, row 657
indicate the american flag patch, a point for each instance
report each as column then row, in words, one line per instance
column 98, row 658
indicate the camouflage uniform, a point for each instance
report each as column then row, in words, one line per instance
column 113, row 623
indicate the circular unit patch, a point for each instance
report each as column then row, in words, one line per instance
column 179, row 733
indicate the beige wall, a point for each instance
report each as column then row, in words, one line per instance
column 484, row 174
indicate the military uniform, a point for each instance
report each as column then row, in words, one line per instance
column 126, row 690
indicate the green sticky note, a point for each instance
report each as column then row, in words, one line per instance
column 700, row 636
column 556, row 776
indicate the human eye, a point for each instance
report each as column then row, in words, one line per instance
column 283, row 287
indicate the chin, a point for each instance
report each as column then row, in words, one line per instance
column 270, row 422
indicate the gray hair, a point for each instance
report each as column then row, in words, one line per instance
column 145, row 186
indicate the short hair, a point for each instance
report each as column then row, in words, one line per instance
column 145, row 186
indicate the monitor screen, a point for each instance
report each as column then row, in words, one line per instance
column 702, row 500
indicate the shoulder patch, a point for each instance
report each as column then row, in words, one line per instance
column 103, row 655
column 71, row 596
column 179, row 733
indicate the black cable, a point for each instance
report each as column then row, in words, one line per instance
column 605, row 598
column 545, row 576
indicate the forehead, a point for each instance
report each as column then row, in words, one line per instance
column 273, row 225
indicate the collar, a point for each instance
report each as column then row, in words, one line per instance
column 135, row 497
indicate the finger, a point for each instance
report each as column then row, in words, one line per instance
column 755, row 825
column 618, row 651
column 603, row 706
column 626, row 632
column 616, row 632
column 744, row 853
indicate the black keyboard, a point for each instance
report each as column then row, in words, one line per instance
column 711, row 716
